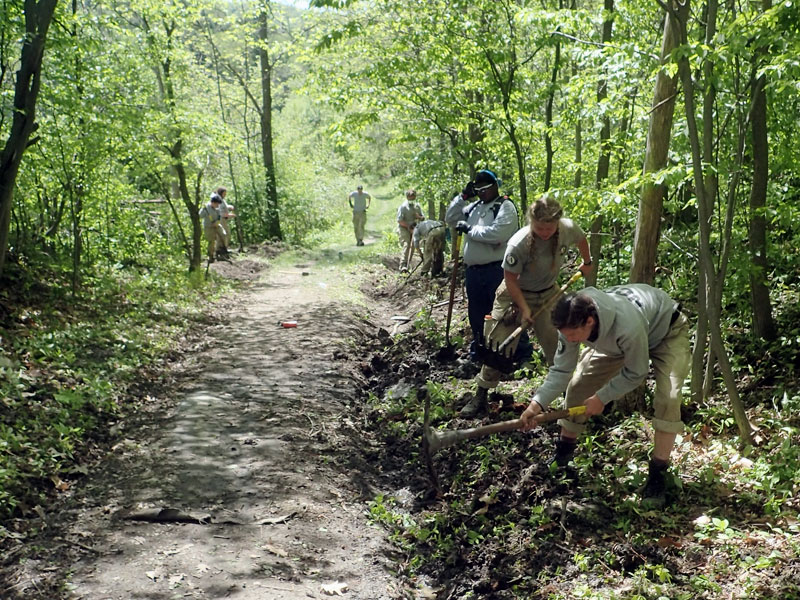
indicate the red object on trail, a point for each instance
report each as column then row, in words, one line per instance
column 288, row 324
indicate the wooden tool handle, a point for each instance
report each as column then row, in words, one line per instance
column 515, row 424
column 575, row 276
column 554, row 415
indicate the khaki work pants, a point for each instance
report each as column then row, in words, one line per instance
column 359, row 222
column 670, row 361
column 506, row 318
column 215, row 236
column 405, row 243
column 433, row 246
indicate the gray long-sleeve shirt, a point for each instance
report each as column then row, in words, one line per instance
column 632, row 319
column 486, row 241
column 211, row 215
column 423, row 229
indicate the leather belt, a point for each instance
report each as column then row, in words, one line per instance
column 483, row 266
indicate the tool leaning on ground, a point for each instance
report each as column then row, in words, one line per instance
column 575, row 277
column 453, row 278
column 433, row 441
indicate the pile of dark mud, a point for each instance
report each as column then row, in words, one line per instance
column 466, row 538
column 492, row 517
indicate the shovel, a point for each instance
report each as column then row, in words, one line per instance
column 453, row 277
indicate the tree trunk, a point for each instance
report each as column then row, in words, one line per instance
column 576, row 183
column 273, row 216
column 700, row 381
column 523, row 175
column 651, row 201
column 763, row 323
column 604, row 160
column 548, row 118
column 717, row 343
column 38, row 16
column 176, row 153
column 77, row 188
column 224, row 114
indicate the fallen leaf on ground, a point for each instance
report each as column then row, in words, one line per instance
column 276, row 520
column 275, row 550
column 337, row 588
column 152, row 575
column 60, row 484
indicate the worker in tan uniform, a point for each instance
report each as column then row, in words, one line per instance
column 430, row 236
column 533, row 259
column 625, row 330
column 409, row 213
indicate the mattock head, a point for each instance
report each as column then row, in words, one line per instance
column 429, row 446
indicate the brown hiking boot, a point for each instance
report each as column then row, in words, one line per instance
column 476, row 405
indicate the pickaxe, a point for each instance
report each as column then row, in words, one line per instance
column 433, row 441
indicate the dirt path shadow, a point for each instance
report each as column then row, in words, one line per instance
column 255, row 458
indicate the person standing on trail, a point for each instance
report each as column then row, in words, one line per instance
column 625, row 329
column 533, row 259
column 487, row 224
column 431, row 235
column 226, row 210
column 212, row 225
column 359, row 202
column 408, row 215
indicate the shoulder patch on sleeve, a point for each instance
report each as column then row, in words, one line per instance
column 561, row 347
column 511, row 260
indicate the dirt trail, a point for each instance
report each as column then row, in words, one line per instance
column 260, row 448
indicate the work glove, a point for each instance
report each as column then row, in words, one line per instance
column 463, row 227
column 469, row 190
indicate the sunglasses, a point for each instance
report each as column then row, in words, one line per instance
column 482, row 188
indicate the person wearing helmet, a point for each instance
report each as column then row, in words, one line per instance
column 487, row 221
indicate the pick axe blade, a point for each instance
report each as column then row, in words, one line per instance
column 577, row 275
column 433, row 441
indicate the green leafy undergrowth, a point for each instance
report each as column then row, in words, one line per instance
column 507, row 524
column 504, row 523
column 67, row 363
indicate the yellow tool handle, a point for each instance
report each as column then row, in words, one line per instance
column 577, row 410
column 552, row 415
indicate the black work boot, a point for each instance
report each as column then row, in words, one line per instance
column 476, row 405
column 565, row 450
column 567, row 475
column 654, row 492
